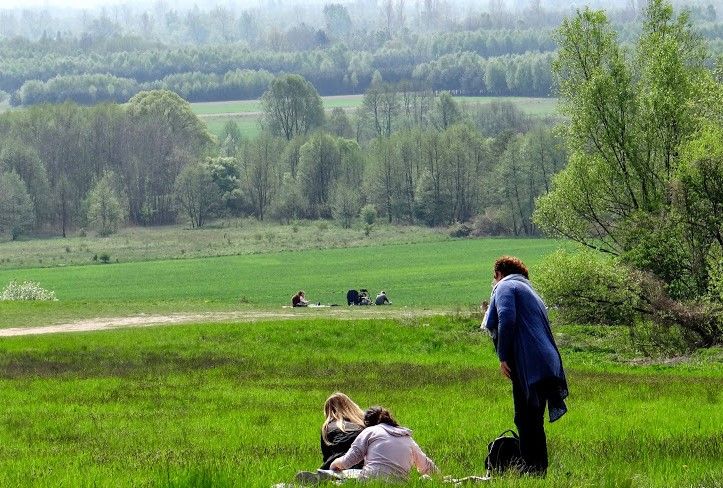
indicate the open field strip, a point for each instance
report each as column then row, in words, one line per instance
column 438, row 275
column 223, row 237
column 240, row 404
column 529, row 105
column 247, row 113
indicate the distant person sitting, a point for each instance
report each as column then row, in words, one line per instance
column 364, row 298
column 298, row 300
column 382, row 299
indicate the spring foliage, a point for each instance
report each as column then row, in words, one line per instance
column 27, row 290
column 644, row 179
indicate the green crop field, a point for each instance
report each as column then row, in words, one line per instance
column 439, row 275
column 240, row 404
column 248, row 124
column 222, row 237
column 246, row 113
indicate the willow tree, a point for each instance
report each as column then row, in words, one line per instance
column 629, row 115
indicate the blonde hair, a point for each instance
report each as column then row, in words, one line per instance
column 340, row 408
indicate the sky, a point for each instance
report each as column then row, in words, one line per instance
column 81, row 4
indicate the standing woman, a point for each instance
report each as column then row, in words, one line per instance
column 520, row 329
column 344, row 421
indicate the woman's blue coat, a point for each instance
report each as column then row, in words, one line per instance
column 517, row 320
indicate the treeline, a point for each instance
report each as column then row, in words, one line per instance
column 411, row 156
column 194, row 87
column 462, row 73
column 228, row 53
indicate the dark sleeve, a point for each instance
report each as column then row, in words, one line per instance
column 506, row 319
column 339, row 443
column 324, row 448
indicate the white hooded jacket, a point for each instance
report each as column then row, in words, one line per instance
column 388, row 452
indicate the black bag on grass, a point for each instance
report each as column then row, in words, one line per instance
column 503, row 453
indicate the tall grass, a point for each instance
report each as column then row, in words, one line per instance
column 240, row 405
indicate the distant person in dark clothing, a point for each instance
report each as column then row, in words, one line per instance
column 344, row 421
column 517, row 321
column 299, row 300
column 382, row 299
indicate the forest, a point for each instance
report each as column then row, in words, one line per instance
column 414, row 156
column 229, row 53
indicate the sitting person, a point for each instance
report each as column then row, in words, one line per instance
column 388, row 450
column 364, row 298
column 299, row 300
column 344, row 422
column 382, row 299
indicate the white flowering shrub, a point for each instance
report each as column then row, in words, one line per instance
column 27, row 290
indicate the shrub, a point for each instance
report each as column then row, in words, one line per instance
column 27, row 290
column 104, row 258
column 460, row 229
column 490, row 223
column 369, row 214
column 587, row 288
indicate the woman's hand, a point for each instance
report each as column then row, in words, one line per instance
column 483, row 308
column 336, row 466
column 506, row 371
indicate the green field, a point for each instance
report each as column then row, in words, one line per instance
column 246, row 113
column 439, row 275
column 240, row 404
column 222, row 237
column 249, row 125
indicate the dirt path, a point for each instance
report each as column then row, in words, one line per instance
column 100, row 324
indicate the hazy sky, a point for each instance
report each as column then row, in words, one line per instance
column 80, row 4
column 55, row 3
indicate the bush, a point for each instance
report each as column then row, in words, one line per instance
column 587, row 288
column 460, row 229
column 369, row 214
column 104, row 258
column 27, row 290
column 490, row 223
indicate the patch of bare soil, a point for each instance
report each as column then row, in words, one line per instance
column 99, row 324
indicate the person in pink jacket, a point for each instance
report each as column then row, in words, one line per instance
column 388, row 450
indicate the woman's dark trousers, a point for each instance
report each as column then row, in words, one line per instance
column 529, row 420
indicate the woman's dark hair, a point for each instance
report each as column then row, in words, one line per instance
column 507, row 265
column 379, row 415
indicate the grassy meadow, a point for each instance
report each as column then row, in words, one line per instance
column 240, row 404
column 221, row 238
column 443, row 275
column 247, row 113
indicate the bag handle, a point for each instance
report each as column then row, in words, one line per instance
column 514, row 434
